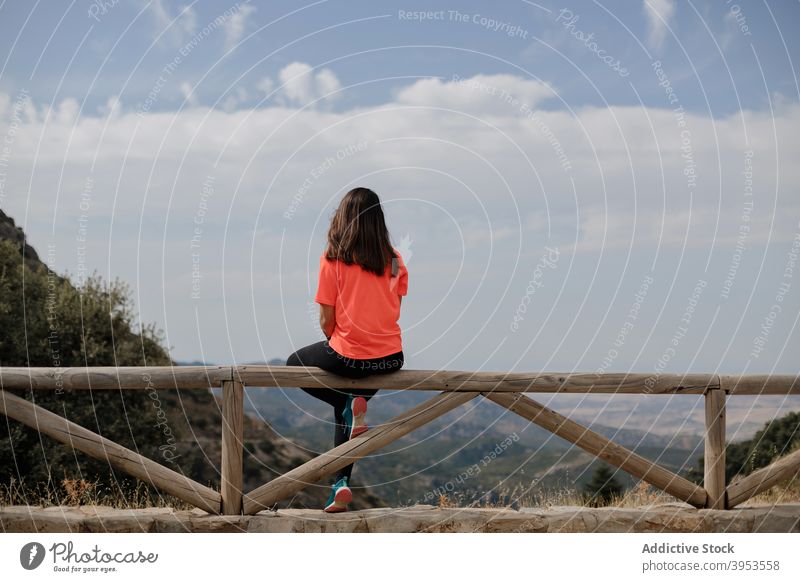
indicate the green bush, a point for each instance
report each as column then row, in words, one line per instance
column 46, row 321
column 778, row 437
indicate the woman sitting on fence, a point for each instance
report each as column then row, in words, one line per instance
column 362, row 279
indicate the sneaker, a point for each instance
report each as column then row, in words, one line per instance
column 354, row 415
column 340, row 497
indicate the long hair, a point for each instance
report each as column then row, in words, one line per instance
column 358, row 232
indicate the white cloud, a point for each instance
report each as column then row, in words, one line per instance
column 235, row 26
column 301, row 86
column 112, row 108
column 659, row 13
column 28, row 111
column 188, row 19
column 477, row 94
column 265, row 85
column 297, row 82
column 235, row 99
column 449, row 180
column 188, row 94
column 185, row 21
column 68, row 111
column 5, row 102
column 160, row 14
column 327, row 83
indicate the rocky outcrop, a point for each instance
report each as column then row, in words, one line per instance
column 673, row 518
column 11, row 232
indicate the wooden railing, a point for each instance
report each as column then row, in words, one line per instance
column 456, row 388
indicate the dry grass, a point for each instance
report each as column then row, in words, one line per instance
column 783, row 493
column 641, row 496
column 82, row 492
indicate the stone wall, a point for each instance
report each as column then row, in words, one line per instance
column 675, row 517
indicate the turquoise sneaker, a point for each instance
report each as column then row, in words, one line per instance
column 355, row 411
column 340, row 497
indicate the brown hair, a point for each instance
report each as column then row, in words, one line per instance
column 358, row 232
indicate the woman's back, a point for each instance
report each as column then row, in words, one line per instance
column 367, row 307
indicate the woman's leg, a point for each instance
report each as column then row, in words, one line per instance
column 321, row 355
column 366, row 368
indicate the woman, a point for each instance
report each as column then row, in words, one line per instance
column 362, row 279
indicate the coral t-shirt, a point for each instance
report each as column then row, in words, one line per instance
column 367, row 307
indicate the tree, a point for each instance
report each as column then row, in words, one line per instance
column 46, row 321
column 602, row 487
column 778, row 437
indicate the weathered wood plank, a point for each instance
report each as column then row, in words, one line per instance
column 761, row 480
column 164, row 377
column 602, row 447
column 99, row 447
column 454, row 381
column 112, row 377
column 714, row 457
column 327, row 463
column 777, row 384
column 232, row 443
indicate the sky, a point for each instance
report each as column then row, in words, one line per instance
column 574, row 186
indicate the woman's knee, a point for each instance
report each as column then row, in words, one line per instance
column 293, row 360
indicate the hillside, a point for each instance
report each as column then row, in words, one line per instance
column 47, row 321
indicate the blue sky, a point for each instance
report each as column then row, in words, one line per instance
column 617, row 133
column 713, row 63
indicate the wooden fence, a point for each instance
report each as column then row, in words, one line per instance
column 455, row 388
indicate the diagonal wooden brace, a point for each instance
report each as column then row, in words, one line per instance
column 99, row 447
column 785, row 467
column 601, row 447
column 327, row 463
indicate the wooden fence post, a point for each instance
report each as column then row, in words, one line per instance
column 714, row 460
column 232, row 444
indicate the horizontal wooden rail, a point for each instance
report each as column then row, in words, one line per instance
column 112, row 378
column 163, row 377
column 452, row 381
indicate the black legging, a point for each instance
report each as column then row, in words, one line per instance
column 323, row 356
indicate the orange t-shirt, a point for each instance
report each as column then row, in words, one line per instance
column 367, row 307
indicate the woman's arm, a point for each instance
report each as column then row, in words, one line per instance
column 327, row 319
